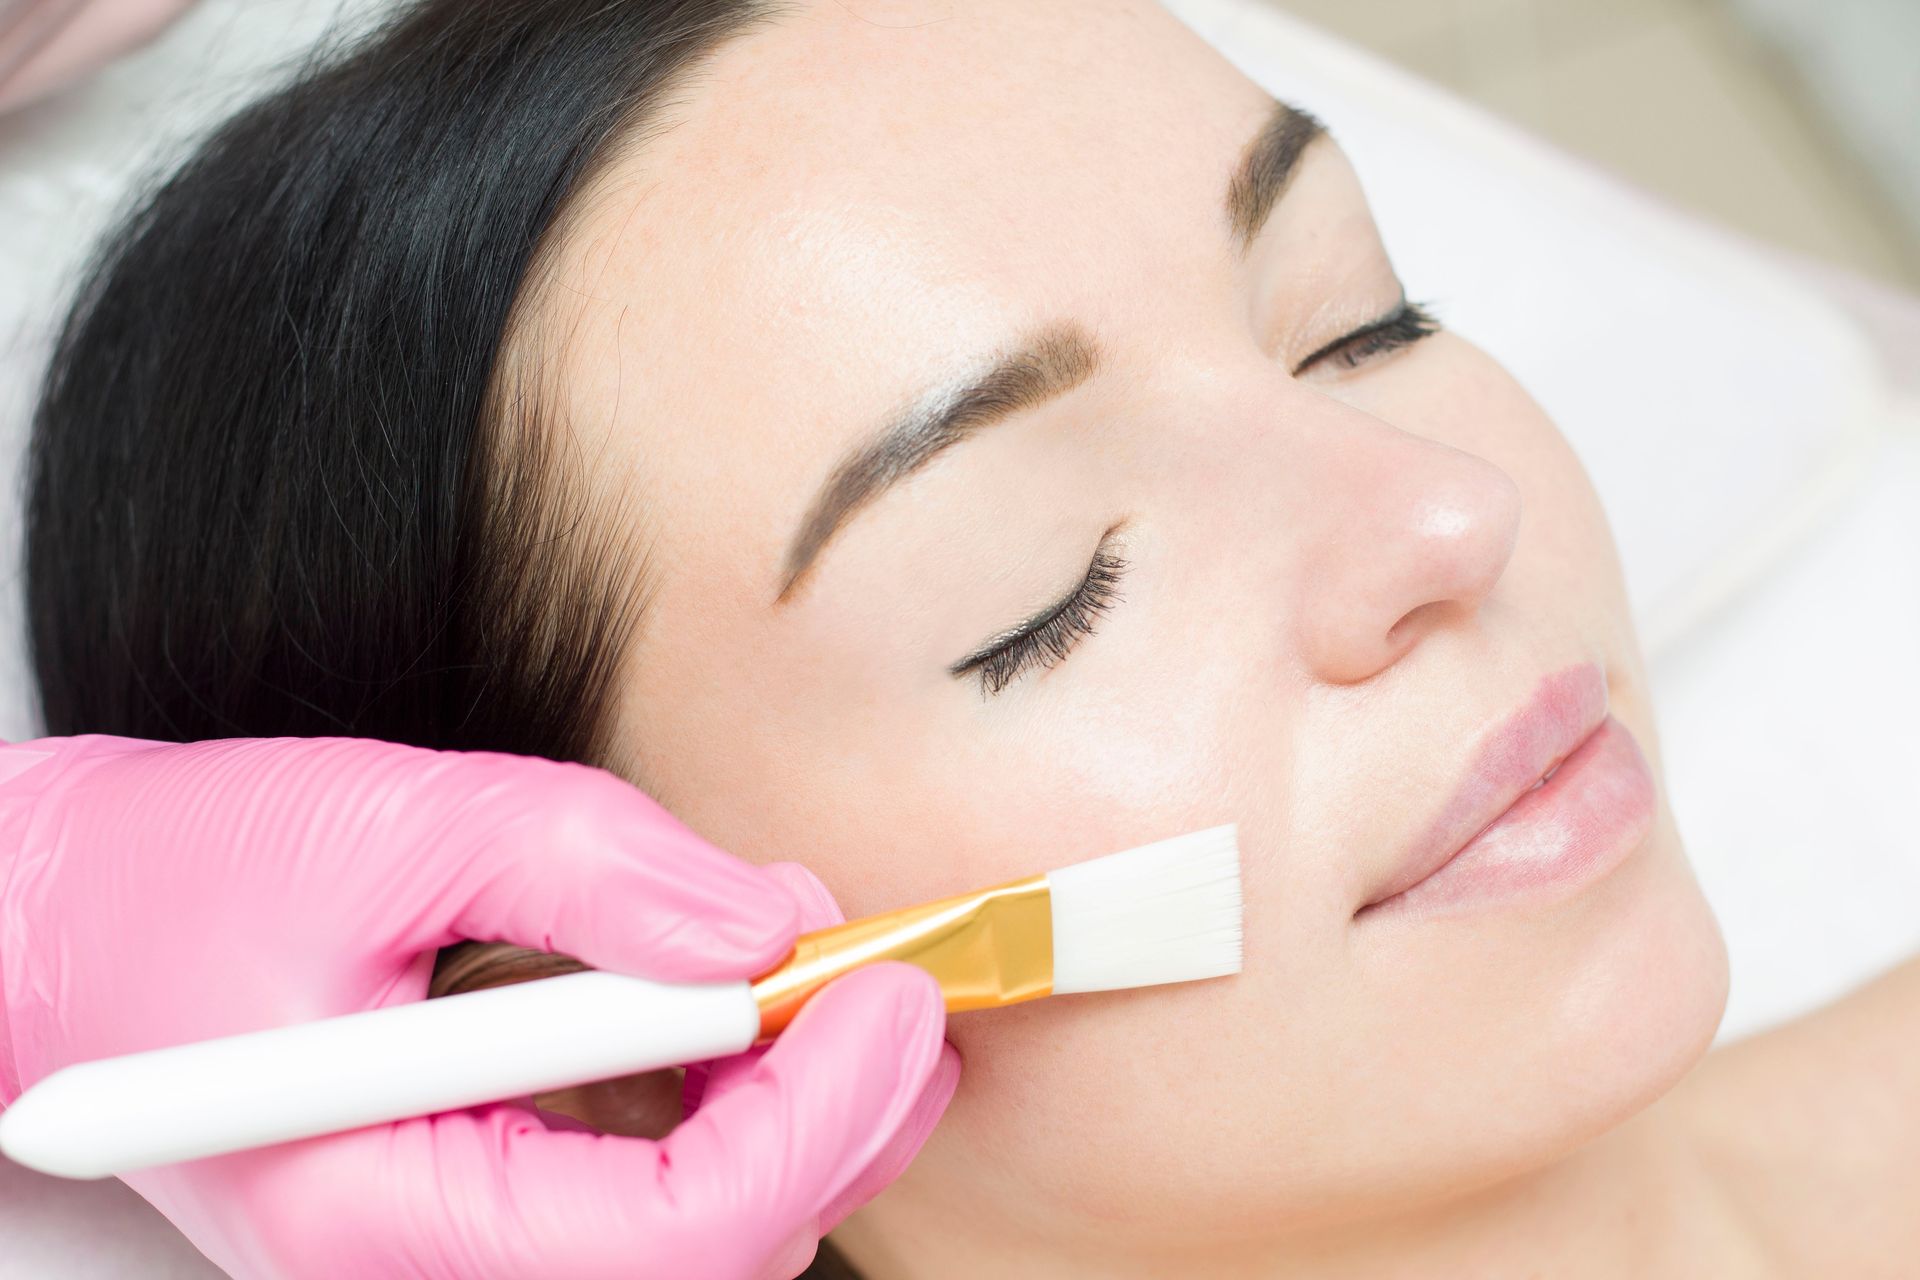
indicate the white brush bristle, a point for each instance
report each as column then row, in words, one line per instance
column 1164, row 912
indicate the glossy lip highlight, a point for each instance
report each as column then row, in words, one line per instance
column 1566, row 709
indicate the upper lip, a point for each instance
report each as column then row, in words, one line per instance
column 1564, row 711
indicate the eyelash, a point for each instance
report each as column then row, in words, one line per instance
column 1406, row 326
column 1049, row 641
column 1053, row 638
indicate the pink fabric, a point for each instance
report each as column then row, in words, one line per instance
column 46, row 44
column 154, row 893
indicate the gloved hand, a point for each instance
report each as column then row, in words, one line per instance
column 44, row 44
column 155, row 893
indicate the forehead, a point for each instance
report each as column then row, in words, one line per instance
column 837, row 207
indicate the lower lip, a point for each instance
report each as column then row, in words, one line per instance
column 1581, row 823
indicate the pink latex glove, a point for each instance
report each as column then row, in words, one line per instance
column 154, row 893
column 46, row 44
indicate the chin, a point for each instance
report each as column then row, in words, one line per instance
column 1627, row 990
column 1643, row 1008
column 1553, row 1025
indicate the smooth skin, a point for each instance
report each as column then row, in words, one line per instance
column 1337, row 583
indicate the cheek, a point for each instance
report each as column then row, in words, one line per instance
column 1080, row 1109
column 1140, row 1111
column 1124, row 1112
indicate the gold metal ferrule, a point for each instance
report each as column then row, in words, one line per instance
column 988, row 948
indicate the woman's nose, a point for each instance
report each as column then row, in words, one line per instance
column 1413, row 536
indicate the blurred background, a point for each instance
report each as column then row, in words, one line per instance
column 1792, row 120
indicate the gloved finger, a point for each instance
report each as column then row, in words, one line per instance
column 567, row 858
column 428, row 847
column 892, row 1160
column 709, row 1082
column 493, row 1192
column 903, row 1146
column 818, row 910
column 792, row 1258
column 830, row 1094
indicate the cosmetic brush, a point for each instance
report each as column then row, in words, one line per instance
column 1160, row 913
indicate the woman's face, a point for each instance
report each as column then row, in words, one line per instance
column 1339, row 581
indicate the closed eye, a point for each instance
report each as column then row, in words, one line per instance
column 1049, row 636
column 1402, row 327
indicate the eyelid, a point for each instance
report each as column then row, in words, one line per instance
column 1002, row 640
column 1400, row 311
column 1105, row 564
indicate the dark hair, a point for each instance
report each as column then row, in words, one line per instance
column 282, row 479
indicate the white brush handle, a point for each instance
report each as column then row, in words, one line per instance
column 116, row 1115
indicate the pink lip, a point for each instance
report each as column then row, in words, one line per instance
column 1501, row 833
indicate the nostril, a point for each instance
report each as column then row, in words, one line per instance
column 1411, row 622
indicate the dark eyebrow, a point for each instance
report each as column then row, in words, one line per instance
column 1051, row 363
column 1266, row 167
